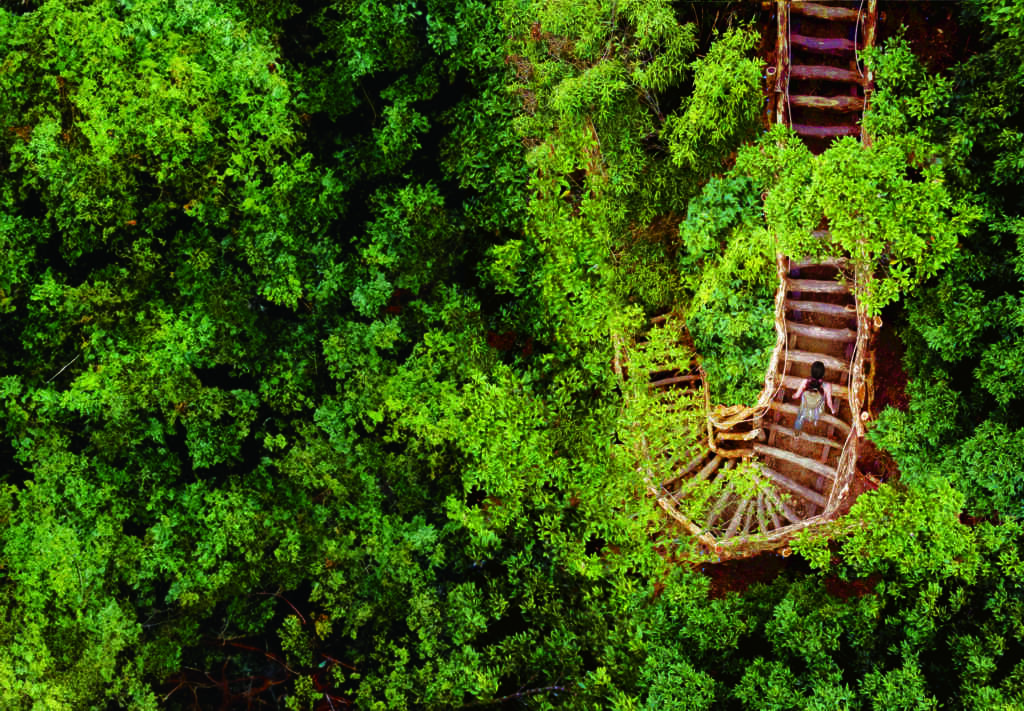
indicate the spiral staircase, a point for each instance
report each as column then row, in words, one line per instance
column 751, row 482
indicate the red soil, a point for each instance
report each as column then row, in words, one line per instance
column 932, row 29
column 738, row 575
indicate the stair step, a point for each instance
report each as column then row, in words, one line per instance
column 780, row 505
column 822, row 332
column 826, row 418
column 665, row 382
column 827, row 103
column 807, row 463
column 839, row 392
column 826, row 131
column 817, row 286
column 822, row 307
column 823, row 45
column 762, row 518
column 719, row 506
column 823, row 73
column 824, row 12
column 709, row 468
column 828, row 361
column 734, row 523
column 802, row 491
column 834, row 262
column 813, row 439
column 748, row 520
column 686, row 470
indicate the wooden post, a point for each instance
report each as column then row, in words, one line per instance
column 782, row 63
column 870, row 30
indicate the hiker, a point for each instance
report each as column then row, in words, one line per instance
column 816, row 394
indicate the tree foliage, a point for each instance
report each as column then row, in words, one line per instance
column 305, row 387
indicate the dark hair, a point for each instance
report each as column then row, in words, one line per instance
column 818, row 370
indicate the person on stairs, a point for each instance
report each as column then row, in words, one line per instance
column 814, row 393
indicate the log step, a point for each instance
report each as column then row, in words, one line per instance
column 824, row 12
column 823, row 45
column 734, row 523
column 709, row 468
column 802, row 491
column 813, row 439
column 748, row 520
column 828, row 103
column 762, row 518
column 825, row 131
column 780, row 505
column 822, row 332
column 665, row 382
column 838, row 391
column 685, row 471
column 828, row 361
column 803, row 462
column 828, row 419
column 817, row 286
column 822, row 307
column 822, row 73
column 719, row 506
column 834, row 262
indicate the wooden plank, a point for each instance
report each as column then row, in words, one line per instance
column 817, row 286
column 780, row 505
column 822, row 307
column 795, row 459
column 690, row 467
column 708, row 468
column 665, row 382
column 719, row 505
column 828, row 361
column 734, row 523
column 826, row 131
column 825, row 417
column 813, row 439
column 748, row 518
column 840, row 104
column 839, row 392
column 738, row 436
column 825, row 12
column 762, row 518
column 822, row 45
column 823, row 332
column 817, row 72
column 802, row 491
column 836, row 262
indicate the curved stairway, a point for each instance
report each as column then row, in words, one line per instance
column 751, row 483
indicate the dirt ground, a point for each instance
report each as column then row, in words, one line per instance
column 932, row 28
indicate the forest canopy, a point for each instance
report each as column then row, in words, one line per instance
column 307, row 322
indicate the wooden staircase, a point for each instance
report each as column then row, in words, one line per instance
column 755, row 482
column 821, row 86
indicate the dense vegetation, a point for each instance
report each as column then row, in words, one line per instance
column 307, row 316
